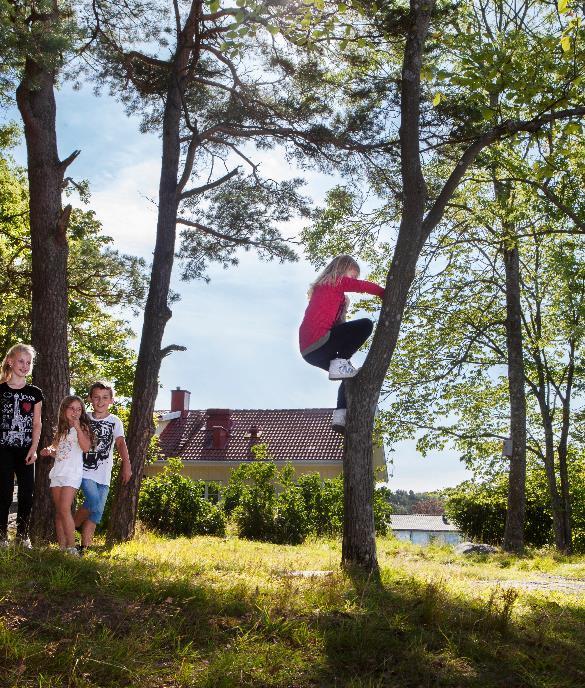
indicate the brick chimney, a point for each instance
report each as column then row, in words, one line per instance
column 180, row 400
column 218, row 425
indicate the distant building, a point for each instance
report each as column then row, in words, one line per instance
column 421, row 529
column 212, row 442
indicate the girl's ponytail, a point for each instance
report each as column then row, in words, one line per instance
column 6, row 368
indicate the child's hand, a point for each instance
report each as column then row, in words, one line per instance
column 47, row 451
column 125, row 472
column 31, row 457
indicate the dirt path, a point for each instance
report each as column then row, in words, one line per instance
column 545, row 582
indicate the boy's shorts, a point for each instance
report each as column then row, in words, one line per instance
column 95, row 498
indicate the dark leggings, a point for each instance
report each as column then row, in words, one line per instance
column 344, row 340
column 11, row 464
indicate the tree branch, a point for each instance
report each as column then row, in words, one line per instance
column 207, row 187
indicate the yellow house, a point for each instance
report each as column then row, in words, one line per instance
column 214, row 441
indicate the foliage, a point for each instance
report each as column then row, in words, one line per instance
column 100, row 279
column 271, row 505
column 479, row 510
column 174, row 505
column 409, row 502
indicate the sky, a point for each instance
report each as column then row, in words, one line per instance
column 240, row 329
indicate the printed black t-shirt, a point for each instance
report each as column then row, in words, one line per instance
column 16, row 414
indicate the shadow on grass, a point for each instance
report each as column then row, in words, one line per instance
column 135, row 622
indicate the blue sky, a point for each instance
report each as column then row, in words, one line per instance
column 240, row 330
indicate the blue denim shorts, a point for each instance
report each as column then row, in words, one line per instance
column 95, row 498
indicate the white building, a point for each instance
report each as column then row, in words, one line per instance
column 421, row 529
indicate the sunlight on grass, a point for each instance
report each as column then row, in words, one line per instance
column 227, row 612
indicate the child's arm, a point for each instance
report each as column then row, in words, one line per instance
column 83, row 437
column 48, row 451
column 126, row 468
column 37, row 425
column 361, row 286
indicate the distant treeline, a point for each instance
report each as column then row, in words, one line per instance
column 409, row 502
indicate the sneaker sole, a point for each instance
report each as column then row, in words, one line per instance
column 336, row 376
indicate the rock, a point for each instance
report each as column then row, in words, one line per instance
column 474, row 548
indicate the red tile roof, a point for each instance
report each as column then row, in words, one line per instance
column 290, row 434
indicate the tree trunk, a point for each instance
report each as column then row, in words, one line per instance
column 48, row 226
column 551, row 477
column 156, row 315
column 359, row 536
column 562, row 451
column 514, row 529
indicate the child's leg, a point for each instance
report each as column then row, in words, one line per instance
column 66, row 497
column 87, row 532
column 81, row 516
column 95, row 501
column 6, row 488
column 347, row 338
column 56, row 495
column 25, row 475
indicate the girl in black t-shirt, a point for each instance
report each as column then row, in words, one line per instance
column 20, row 431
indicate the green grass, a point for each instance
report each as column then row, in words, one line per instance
column 215, row 612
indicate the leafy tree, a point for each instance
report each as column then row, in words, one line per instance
column 442, row 100
column 99, row 279
column 211, row 78
column 455, row 333
column 35, row 35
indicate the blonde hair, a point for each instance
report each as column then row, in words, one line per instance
column 6, row 368
column 337, row 268
column 62, row 429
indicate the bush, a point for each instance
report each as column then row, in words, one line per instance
column 175, row 505
column 252, row 500
column 269, row 505
column 479, row 510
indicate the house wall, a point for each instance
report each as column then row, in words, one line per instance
column 425, row 537
column 220, row 473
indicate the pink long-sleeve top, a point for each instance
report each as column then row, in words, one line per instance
column 325, row 309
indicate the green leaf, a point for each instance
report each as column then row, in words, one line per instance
column 273, row 30
column 214, row 6
column 437, row 99
column 565, row 43
column 562, row 6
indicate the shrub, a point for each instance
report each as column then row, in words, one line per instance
column 252, row 499
column 175, row 505
column 479, row 509
column 270, row 505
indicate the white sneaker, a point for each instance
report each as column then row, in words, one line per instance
column 25, row 543
column 73, row 551
column 341, row 368
column 338, row 420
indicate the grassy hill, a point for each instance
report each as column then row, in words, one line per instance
column 225, row 612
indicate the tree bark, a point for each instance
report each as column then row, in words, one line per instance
column 551, row 477
column 359, row 536
column 514, row 528
column 48, row 226
column 562, row 451
column 157, row 312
